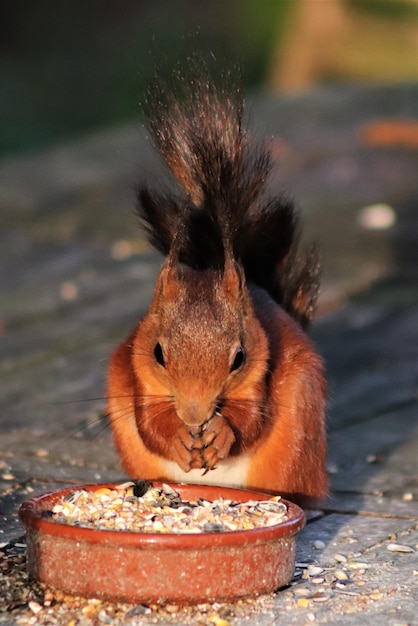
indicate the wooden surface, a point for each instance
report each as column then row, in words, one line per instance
column 75, row 274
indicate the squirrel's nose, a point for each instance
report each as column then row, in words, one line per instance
column 194, row 413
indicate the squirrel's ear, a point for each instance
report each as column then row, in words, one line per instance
column 168, row 280
column 233, row 279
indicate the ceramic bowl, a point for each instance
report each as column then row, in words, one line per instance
column 149, row 568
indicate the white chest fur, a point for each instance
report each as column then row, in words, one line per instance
column 229, row 473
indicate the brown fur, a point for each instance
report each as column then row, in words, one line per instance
column 217, row 370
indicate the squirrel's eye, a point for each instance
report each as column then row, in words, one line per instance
column 158, row 353
column 238, row 360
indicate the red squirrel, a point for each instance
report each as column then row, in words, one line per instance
column 219, row 382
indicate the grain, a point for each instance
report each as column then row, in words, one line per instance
column 142, row 508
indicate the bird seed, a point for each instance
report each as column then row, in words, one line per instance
column 141, row 507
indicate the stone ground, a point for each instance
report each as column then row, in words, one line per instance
column 75, row 274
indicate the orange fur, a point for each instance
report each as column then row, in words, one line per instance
column 285, row 442
column 291, row 457
column 219, row 382
column 137, row 460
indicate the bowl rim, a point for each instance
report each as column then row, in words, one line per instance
column 30, row 514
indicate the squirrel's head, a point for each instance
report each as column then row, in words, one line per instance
column 200, row 343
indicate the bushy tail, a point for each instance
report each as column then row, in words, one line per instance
column 219, row 210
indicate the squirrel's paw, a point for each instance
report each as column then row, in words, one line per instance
column 217, row 440
column 183, row 451
column 192, row 450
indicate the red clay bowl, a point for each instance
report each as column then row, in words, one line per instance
column 149, row 568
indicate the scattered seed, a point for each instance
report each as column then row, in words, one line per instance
column 141, row 487
column 168, row 490
column 329, row 577
column 301, row 591
column 318, row 545
column 103, row 617
column 140, row 609
column 297, row 575
column 34, row 607
column 218, row 621
column 346, row 593
column 89, row 610
column 397, row 547
column 320, row 598
column 376, row 596
column 213, row 527
column 314, row 570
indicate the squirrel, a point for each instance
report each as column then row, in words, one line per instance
column 219, row 382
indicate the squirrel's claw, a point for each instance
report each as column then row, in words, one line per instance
column 182, row 451
column 192, row 452
column 218, row 440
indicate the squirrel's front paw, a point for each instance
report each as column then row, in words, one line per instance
column 184, row 452
column 203, row 449
column 217, row 440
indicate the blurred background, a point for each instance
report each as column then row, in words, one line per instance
column 332, row 83
column 72, row 67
